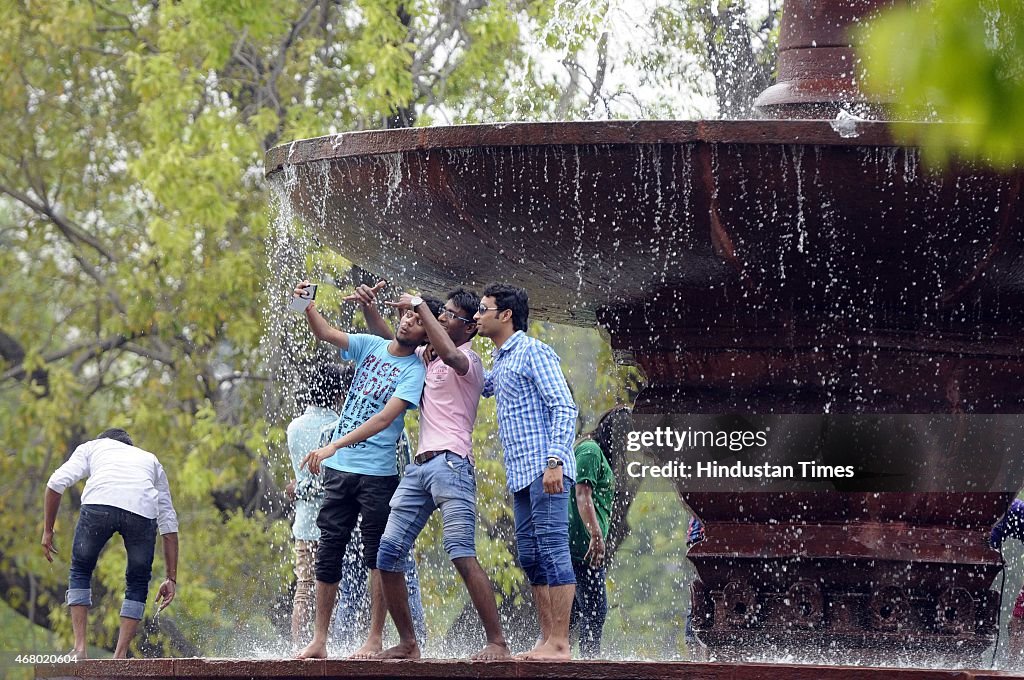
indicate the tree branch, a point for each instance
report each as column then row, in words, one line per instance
column 72, row 231
column 92, row 346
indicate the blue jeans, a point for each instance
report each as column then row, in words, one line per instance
column 589, row 608
column 446, row 482
column 542, row 534
column 351, row 616
column 96, row 525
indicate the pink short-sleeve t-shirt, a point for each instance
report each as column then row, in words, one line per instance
column 449, row 404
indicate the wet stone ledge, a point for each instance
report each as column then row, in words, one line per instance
column 210, row 669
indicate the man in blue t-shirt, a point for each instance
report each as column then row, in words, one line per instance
column 359, row 469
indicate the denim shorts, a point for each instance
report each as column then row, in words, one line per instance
column 96, row 525
column 542, row 534
column 446, row 482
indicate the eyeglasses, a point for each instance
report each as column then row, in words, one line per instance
column 482, row 309
column 452, row 315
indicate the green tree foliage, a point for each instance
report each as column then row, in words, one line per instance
column 133, row 228
column 724, row 49
column 959, row 61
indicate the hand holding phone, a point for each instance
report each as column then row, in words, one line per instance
column 303, row 295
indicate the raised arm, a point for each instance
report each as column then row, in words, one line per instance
column 375, row 424
column 318, row 324
column 366, row 296
column 436, row 334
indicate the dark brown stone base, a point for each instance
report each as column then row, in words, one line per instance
column 208, row 669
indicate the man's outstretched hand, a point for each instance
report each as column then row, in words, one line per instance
column 313, row 459
column 366, row 295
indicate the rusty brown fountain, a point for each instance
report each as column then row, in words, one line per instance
column 807, row 273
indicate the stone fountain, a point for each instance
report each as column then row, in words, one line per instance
column 801, row 271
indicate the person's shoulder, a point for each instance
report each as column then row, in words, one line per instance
column 296, row 424
column 136, row 451
column 476, row 364
column 89, row 446
column 587, row 447
column 539, row 348
column 368, row 340
column 365, row 343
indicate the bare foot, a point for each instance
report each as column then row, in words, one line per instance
column 492, row 651
column 403, row 650
column 549, row 651
column 369, row 650
column 314, row 650
column 536, row 646
column 78, row 655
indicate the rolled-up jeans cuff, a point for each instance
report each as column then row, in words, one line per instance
column 132, row 609
column 79, row 596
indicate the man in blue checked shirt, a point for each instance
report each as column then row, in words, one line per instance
column 536, row 423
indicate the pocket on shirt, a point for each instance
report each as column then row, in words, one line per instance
column 514, row 387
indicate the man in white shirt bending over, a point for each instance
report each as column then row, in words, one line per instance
column 127, row 493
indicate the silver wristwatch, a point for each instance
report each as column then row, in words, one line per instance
column 554, row 461
column 416, row 301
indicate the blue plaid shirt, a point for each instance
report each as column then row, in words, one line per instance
column 536, row 414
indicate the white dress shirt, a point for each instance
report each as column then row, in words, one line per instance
column 123, row 476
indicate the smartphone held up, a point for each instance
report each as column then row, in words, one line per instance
column 299, row 302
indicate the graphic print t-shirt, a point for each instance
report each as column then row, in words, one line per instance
column 379, row 376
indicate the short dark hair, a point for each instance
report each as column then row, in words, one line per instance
column 466, row 300
column 611, row 430
column 327, row 383
column 117, row 434
column 511, row 297
column 433, row 304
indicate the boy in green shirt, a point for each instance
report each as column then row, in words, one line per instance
column 589, row 515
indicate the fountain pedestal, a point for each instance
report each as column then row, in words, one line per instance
column 453, row 669
column 773, row 268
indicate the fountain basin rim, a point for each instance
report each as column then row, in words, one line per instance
column 597, row 133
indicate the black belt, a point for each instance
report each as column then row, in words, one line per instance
column 421, row 458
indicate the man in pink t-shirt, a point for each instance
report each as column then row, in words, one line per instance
column 441, row 476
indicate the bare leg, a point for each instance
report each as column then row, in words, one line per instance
column 326, row 594
column 556, row 646
column 300, row 613
column 378, row 611
column 125, row 637
column 396, row 597
column 305, row 580
column 541, row 600
column 80, row 625
column 1015, row 628
column 482, row 594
